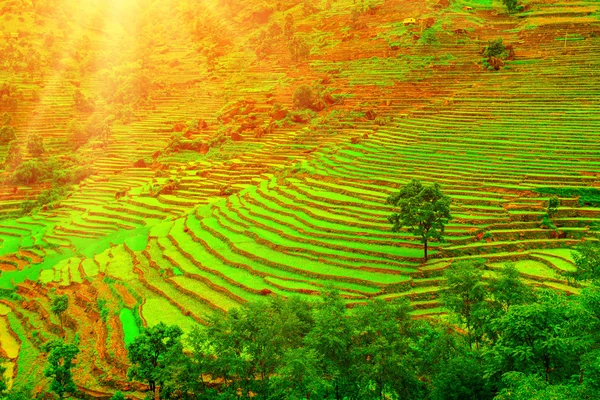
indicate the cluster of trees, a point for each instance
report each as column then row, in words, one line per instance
column 503, row 340
column 97, row 127
column 298, row 47
column 10, row 95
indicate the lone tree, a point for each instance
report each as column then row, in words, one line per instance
column 59, row 306
column 60, row 361
column 511, row 5
column 553, row 204
column 424, row 210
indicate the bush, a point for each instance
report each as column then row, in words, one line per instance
column 307, row 97
column 586, row 196
column 511, row 5
column 304, row 97
column 495, row 48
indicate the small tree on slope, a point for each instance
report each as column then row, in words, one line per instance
column 511, row 5
column 424, row 210
column 59, row 306
column 60, row 361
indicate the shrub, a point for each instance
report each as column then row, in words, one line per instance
column 303, row 97
column 429, row 37
column 307, row 97
column 586, row 196
column 511, row 5
column 495, row 48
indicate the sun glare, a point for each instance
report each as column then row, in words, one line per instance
column 299, row 199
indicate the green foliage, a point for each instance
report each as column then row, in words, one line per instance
column 118, row 396
column 542, row 338
column 425, row 210
column 19, row 394
column 461, row 377
column 587, row 260
column 429, row 37
column 511, row 5
column 508, row 289
column 551, row 210
column 587, row 196
column 553, row 204
column 3, row 383
column 152, row 351
column 59, row 364
column 59, row 306
column 495, row 48
column 104, row 310
column 60, row 171
column 465, row 295
column 294, row 349
column 520, row 386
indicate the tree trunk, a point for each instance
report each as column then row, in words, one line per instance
column 60, row 318
column 425, row 249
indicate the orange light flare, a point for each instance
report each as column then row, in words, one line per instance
column 82, row 30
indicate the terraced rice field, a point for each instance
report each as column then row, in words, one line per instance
column 303, row 206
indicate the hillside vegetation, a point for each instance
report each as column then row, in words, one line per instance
column 167, row 161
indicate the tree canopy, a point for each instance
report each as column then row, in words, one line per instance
column 60, row 362
column 424, row 210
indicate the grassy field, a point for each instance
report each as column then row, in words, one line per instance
column 212, row 190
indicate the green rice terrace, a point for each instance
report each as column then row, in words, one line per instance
column 167, row 161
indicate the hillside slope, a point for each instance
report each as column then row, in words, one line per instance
column 207, row 188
